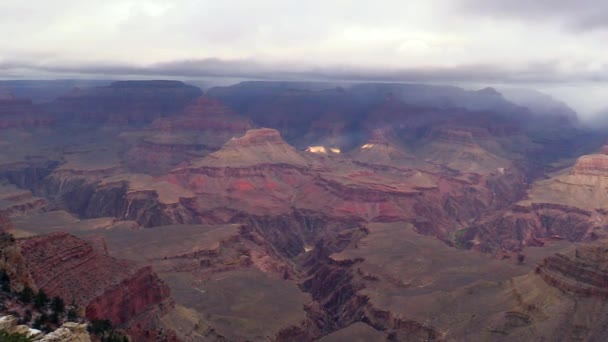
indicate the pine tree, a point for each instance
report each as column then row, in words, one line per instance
column 41, row 299
column 26, row 295
column 58, row 305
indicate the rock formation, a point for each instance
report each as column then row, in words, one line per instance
column 591, row 165
column 108, row 288
column 203, row 127
column 257, row 146
column 584, row 272
column 72, row 332
column 68, row 332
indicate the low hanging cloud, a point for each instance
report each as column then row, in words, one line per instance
column 545, row 72
column 558, row 43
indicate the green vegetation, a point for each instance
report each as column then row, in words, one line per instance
column 6, row 337
column 72, row 315
column 26, row 295
column 58, row 305
column 458, row 243
column 6, row 239
column 99, row 327
column 5, row 281
column 40, row 299
column 39, row 322
column 103, row 329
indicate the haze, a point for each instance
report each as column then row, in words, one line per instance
column 553, row 46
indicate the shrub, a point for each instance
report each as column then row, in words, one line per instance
column 99, row 327
column 72, row 315
column 40, row 299
column 58, row 305
column 26, row 295
column 5, row 281
column 6, row 337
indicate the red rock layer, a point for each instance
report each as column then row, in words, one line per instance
column 108, row 288
column 129, row 298
column 204, row 114
column 458, row 136
column 591, row 165
column 258, row 137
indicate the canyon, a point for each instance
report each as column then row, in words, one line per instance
column 292, row 211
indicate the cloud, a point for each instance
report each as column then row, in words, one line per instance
column 546, row 72
column 577, row 15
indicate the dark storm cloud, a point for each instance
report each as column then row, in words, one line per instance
column 547, row 72
column 580, row 15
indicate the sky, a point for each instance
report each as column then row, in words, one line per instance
column 557, row 46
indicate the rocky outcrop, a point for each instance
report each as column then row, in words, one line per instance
column 68, row 332
column 9, row 324
column 584, row 272
column 108, row 288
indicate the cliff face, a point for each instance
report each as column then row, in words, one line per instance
column 108, row 288
column 130, row 297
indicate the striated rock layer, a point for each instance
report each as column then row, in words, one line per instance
column 591, row 165
column 108, row 288
column 584, row 272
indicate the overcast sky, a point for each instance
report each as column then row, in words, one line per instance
column 556, row 45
